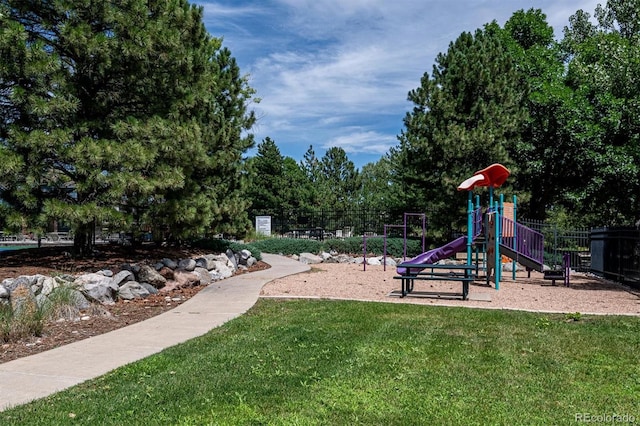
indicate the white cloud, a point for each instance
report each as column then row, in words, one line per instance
column 363, row 142
column 215, row 11
column 337, row 72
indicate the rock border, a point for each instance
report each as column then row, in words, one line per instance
column 132, row 281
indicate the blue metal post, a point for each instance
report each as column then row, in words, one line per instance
column 470, row 223
column 497, row 246
column 515, row 234
column 491, row 197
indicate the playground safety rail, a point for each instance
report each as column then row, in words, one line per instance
column 477, row 222
column 523, row 240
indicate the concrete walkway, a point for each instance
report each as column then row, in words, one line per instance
column 40, row 375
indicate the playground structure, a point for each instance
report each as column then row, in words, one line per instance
column 493, row 232
column 386, row 227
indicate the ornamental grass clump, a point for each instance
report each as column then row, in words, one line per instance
column 25, row 317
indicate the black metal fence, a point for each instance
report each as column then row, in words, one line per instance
column 557, row 241
column 615, row 254
column 324, row 223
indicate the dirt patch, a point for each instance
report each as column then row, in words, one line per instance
column 586, row 294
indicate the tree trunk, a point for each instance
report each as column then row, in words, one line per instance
column 83, row 240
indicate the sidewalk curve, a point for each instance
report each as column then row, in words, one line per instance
column 40, row 375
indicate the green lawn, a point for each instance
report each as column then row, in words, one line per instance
column 334, row 362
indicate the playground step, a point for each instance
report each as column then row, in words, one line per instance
column 479, row 239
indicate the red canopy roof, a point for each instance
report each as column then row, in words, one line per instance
column 493, row 176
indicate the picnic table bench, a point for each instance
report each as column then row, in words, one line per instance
column 560, row 274
column 556, row 274
column 464, row 274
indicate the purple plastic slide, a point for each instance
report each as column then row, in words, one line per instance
column 434, row 255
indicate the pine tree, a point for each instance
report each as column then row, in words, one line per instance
column 119, row 113
column 340, row 180
column 466, row 116
column 268, row 187
column 310, row 165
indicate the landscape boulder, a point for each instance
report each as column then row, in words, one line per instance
column 122, row 278
column 185, row 279
column 169, row 263
column 203, row 275
column 232, row 257
column 167, row 273
column 390, row 262
column 23, row 301
column 47, row 285
column 133, row 290
column 98, row 288
column 223, row 269
column 12, row 283
column 508, row 267
column 147, row 274
column 243, row 257
column 78, row 300
column 309, row 258
column 4, row 294
column 206, row 262
column 215, row 275
column 151, row 289
column 187, row 265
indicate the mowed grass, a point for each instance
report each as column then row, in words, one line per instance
column 338, row 362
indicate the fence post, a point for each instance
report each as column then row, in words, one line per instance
column 364, row 251
column 555, row 245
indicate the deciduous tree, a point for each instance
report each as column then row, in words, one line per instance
column 604, row 74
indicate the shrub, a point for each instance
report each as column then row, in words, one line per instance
column 288, row 246
column 352, row 245
column 29, row 319
column 216, row 245
column 61, row 303
column 395, row 247
column 6, row 316
column 26, row 321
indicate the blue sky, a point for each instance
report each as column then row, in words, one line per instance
column 337, row 72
